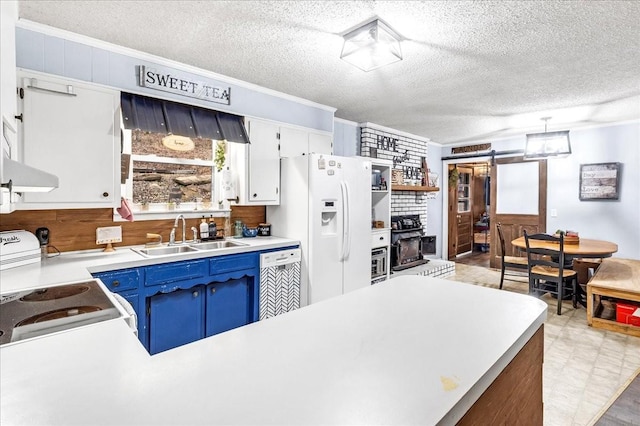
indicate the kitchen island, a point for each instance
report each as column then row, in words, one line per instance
column 411, row 350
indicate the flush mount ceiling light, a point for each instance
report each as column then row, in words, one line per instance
column 371, row 46
column 547, row 144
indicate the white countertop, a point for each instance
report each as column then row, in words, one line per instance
column 379, row 355
column 77, row 266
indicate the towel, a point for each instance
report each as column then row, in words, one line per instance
column 124, row 210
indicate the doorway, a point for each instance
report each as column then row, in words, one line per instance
column 468, row 210
column 513, row 184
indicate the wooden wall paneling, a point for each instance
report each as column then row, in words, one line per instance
column 249, row 215
column 75, row 229
column 515, row 396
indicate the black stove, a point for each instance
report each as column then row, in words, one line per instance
column 406, row 242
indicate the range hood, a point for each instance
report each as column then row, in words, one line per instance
column 16, row 176
column 19, row 177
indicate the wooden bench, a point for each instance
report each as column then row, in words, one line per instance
column 618, row 279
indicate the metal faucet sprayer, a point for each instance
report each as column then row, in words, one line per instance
column 172, row 237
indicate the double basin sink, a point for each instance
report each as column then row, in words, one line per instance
column 187, row 248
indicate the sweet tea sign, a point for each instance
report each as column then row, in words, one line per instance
column 175, row 83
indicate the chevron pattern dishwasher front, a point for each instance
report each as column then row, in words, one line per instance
column 279, row 289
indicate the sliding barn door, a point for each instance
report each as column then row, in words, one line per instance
column 518, row 202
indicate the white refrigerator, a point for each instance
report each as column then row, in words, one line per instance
column 325, row 203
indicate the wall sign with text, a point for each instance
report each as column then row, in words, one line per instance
column 600, row 181
column 174, row 83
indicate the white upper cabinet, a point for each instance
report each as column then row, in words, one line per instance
column 293, row 142
column 8, row 17
column 298, row 141
column 72, row 130
column 8, row 105
column 264, row 164
column 256, row 166
column 320, row 143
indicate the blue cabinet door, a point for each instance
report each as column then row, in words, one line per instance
column 175, row 319
column 228, row 305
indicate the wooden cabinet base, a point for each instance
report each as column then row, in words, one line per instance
column 515, row 396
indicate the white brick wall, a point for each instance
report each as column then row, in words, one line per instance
column 402, row 202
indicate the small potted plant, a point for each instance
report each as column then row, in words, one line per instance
column 221, row 150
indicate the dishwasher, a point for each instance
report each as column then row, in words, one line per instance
column 279, row 282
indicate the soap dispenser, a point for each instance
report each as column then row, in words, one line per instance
column 204, row 229
column 213, row 231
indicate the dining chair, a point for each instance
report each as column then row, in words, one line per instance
column 547, row 264
column 512, row 262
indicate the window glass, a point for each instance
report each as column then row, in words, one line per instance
column 170, row 170
column 170, row 146
column 167, row 182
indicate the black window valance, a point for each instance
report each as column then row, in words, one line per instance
column 156, row 115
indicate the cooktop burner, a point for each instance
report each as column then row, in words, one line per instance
column 58, row 313
column 35, row 313
column 54, row 293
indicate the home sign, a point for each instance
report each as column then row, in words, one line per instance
column 174, row 83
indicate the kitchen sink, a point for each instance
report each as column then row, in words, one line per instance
column 161, row 251
column 213, row 245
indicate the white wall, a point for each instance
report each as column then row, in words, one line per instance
column 434, row 205
column 66, row 54
column 346, row 138
column 617, row 221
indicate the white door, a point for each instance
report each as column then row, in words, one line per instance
column 320, row 144
column 264, row 163
column 357, row 263
column 293, row 142
column 325, row 228
column 69, row 130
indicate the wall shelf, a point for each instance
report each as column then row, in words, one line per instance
column 414, row 188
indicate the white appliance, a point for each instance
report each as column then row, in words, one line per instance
column 279, row 282
column 39, row 312
column 18, row 248
column 325, row 203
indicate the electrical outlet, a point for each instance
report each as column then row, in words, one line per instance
column 554, row 213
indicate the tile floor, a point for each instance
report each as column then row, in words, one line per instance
column 583, row 367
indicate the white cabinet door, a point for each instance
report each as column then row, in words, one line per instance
column 320, row 144
column 293, row 142
column 264, row 164
column 71, row 130
column 8, row 17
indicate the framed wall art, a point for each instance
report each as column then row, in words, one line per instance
column 599, row 181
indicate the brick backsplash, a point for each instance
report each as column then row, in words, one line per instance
column 406, row 153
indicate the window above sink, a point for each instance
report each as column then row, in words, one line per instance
column 169, row 174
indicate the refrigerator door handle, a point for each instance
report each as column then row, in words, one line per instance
column 346, row 212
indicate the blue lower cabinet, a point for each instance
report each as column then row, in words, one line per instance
column 229, row 305
column 176, row 306
column 176, row 318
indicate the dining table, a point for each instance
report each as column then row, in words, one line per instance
column 584, row 248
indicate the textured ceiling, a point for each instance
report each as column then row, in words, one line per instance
column 471, row 70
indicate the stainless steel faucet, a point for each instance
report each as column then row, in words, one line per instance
column 172, row 236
